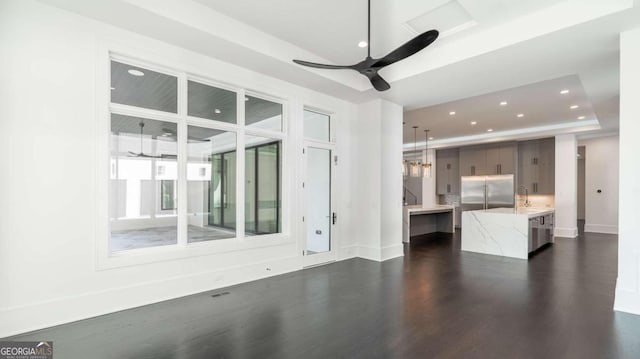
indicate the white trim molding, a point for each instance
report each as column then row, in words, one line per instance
column 566, row 232
column 601, row 228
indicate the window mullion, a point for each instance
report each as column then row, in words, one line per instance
column 182, row 162
column 240, row 165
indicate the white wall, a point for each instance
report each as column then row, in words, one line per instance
column 628, row 285
column 378, row 181
column 566, row 195
column 601, row 173
column 391, row 184
column 52, row 116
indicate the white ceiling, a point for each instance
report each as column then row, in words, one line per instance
column 514, row 43
column 332, row 29
column 541, row 104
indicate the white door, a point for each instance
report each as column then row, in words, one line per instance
column 319, row 217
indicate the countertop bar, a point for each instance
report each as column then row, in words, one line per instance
column 528, row 211
column 436, row 210
column 501, row 231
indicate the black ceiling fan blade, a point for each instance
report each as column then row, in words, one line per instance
column 408, row 48
column 379, row 83
column 322, row 66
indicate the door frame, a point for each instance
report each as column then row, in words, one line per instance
column 332, row 254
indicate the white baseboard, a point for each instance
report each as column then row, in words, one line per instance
column 566, row 232
column 380, row 254
column 347, row 252
column 394, row 251
column 371, row 253
column 601, row 228
column 627, row 301
column 27, row 318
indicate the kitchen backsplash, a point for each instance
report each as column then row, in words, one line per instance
column 450, row 199
column 537, row 200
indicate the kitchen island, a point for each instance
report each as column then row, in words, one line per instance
column 507, row 232
column 419, row 219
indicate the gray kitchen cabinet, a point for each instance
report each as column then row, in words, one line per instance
column 447, row 172
column 473, row 161
column 536, row 166
column 501, row 158
column 493, row 159
column 508, row 158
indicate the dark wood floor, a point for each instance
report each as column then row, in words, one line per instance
column 436, row 302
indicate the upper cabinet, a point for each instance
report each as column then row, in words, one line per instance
column 447, row 175
column 493, row 159
column 536, row 166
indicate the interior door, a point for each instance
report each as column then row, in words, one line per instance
column 319, row 218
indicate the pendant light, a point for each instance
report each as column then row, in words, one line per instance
column 426, row 166
column 415, row 167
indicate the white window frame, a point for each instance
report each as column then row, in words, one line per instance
column 105, row 258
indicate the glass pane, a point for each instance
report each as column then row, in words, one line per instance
column 211, row 184
column 318, row 188
column 211, row 103
column 316, row 126
column 143, row 191
column 263, row 114
column 136, row 86
column 262, row 185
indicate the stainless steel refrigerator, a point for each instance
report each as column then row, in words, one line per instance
column 485, row 192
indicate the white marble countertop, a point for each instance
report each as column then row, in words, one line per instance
column 526, row 211
column 420, row 209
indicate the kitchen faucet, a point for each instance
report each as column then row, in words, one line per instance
column 526, row 196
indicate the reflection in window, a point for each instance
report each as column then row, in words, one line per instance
column 143, row 158
column 168, row 194
column 263, row 114
column 211, row 184
column 262, row 185
column 316, row 126
column 211, row 103
column 136, row 86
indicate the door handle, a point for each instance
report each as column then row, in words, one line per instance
column 334, row 218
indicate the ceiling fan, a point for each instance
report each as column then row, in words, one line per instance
column 369, row 67
column 142, row 154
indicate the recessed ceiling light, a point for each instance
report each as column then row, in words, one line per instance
column 135, row 72
column 490, row 130
column 564, row 92
column 452, row 113
column 217, row 110
column 431, row 138
column 520, row 115
column 581, row 118
column 573, row 107
column 473, row 123
column 362, row 44
column 503, row 103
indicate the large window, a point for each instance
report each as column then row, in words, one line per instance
column 211, row 184
column 262, row 185
column 143, row 173
column 174, row 175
